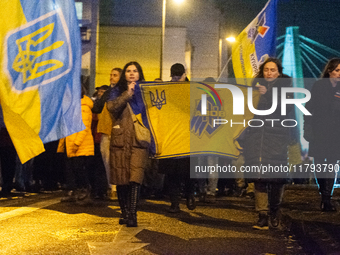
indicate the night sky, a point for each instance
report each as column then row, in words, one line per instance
column 317, row 19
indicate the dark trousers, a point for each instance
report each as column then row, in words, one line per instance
column 268, row 196
column 76, row 172
column 97, row 173
column 8, row 159
column 325, row 179
column 178, row 172
column 48, row 167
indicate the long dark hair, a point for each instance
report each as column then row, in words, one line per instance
column 122, row 83
column 331, row 65
column 275, row 61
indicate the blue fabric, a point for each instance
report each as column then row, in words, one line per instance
column 59, row 89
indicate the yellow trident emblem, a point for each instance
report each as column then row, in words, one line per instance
column 25, row 61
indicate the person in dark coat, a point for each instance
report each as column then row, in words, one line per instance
column 177, row 170
column 321, row 129
column 128, row 158
column 8, row 156
column 267, row 145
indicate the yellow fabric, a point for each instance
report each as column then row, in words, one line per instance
column 171, row 124
column 294, row 154
column 21, row 109
column 104, row 122
column 81, row 143
column 242, row 53
column 255, row 44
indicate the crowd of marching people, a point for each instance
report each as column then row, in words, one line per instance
column 109, row 153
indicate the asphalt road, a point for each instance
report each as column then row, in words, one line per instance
column 40, row 224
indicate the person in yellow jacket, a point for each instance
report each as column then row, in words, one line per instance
column 79, row 147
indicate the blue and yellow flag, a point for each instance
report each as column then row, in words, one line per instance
column 40, row 66
column 255, row 44
column 173, row 112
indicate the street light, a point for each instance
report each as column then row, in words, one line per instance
column 163, row 39
column 163, row 34
column 230, row 39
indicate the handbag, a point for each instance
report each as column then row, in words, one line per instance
column 143, row 135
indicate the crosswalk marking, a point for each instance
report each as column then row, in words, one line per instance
column 28, row 209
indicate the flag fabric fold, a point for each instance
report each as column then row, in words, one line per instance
column 255, row 44
column 40, row 69
column 172, row 112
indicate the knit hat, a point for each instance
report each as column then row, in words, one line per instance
column 105, row 87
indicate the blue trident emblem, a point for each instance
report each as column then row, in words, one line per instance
column 158, row 102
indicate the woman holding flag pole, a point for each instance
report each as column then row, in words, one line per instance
column 268, row 145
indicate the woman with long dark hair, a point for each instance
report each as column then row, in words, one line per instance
column 267, row 145
column 321, row 129
column 128, row 157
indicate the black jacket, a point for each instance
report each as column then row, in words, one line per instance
column 268, row 144
column 99, row 103
column 322, row 129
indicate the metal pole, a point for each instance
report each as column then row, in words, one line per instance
column 163, row 37
column 93, row 43
column 225, row 66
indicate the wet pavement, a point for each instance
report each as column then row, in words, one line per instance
column 40, row 224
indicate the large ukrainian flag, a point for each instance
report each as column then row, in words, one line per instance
column 172, row 111
column 255, row 44
column 40, row 64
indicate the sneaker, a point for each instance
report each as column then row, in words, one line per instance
column 70, row 197
column 250, row 195
column 262, row 223
column 82, row 194
column 275, row 219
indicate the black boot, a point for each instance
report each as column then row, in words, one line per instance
column 326, row 189
column 191, row 202
column 275, row 218
column 84, row 198
column 122, row 194
column 174, row 208
column 132, row 218
column 326, row 205
column 262, row 223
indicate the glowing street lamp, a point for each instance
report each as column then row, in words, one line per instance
column 163, row 33
column 231, row 39
column 163, row 38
